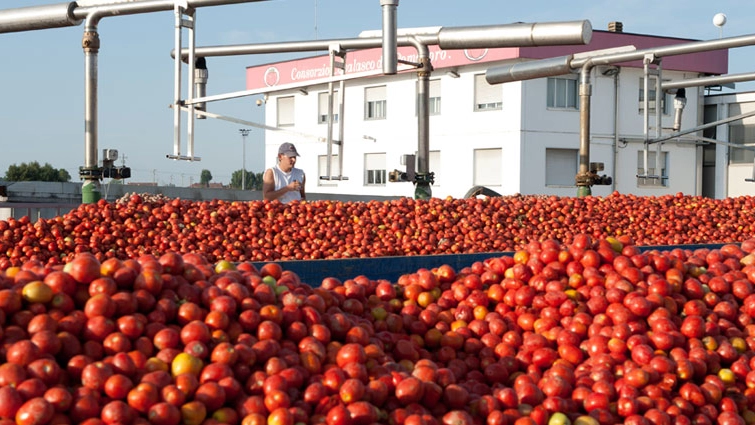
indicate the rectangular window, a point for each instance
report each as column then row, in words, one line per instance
column 562, row 93
column 375, row 103
column 665, row 101
column 486, row 96
column 322, row 168
column 742, row 132
column 561, row 167
column 433, row 103
column 487, row 167
column 374, row 169
column 658, row 179
column 285, row 111
column 322, row 107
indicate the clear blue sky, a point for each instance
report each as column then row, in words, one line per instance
column 42, row 72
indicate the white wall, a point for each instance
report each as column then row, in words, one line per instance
column 733, row 176
column 523, row 129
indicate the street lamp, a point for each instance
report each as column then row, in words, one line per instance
column 244, row 132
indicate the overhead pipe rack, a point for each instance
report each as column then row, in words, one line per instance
column 71, row 14
column 584, row 63
column 488, row 36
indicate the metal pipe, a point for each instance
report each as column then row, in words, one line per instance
column 449, row 36
column 616, row 116
column 38, row 17
column 702, row 127
column 529, row 70
column 423, row 189
column 583, row 179
column 516, row 35
column 707, row 81
column 177, row 31
column 133, row 8
column 90, row 190
column 328, row 167
column 673, row 50
column 658, row 120
column 341, row 109
column 390, row 53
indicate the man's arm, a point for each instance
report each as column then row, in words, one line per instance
column 301, row 190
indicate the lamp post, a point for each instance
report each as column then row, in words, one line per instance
column 244, row 132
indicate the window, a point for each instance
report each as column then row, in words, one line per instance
column 322, row 168
column 561, row 167
column 487, row 167
column 665, row 102
column 322, row 107
column 374, row 103
column 742, row 132
column 433, row 103
column 562, row 93
column 285, row 111
column 374, row 169
column 651, row 171
column 486, row 96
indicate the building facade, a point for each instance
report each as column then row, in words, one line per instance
column 518, row 137
column 730, row 169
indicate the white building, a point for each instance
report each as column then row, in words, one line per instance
column 732, row 167
column 518, row 137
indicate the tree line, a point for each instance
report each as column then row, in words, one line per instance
column 33, row 171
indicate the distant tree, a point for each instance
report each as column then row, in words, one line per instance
column 35, row 172
column 205, row 177
column 253, row 180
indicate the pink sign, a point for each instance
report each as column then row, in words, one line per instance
column 312, row 69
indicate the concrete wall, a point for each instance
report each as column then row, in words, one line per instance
column 47, row 200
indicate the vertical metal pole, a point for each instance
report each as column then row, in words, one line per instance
column 328, row 170
column 244, row 132
column 178, row 11
column 390, row 32
column 583, row 179
column 423, row 189
column 646, row 112
column 341, row 101
column 659, row 96
column 90, row 189
column 191, row 89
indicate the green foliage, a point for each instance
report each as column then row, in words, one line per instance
column 253, row 180
column 34, row 172
column 205, row 177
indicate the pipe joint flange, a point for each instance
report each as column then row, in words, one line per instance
column 425, row 66
column 90, row 42
column 584, row 179
column 424, row 178
column 90, row 173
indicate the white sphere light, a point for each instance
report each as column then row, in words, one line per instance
column 719, row 20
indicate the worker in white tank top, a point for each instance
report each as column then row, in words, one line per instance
column 283, row 181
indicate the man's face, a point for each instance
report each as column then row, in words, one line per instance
column 287, row 162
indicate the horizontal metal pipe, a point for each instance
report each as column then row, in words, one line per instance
column 38, row 17
column 516, row 35
column 707, row 81
column 702, row 127
column 444, row 39
column 70, row 14
column 676, row 49
column 529, row 70
column 147, row 6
